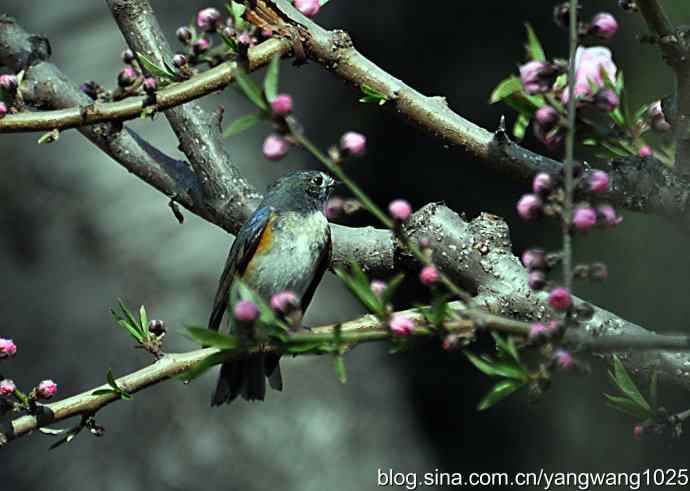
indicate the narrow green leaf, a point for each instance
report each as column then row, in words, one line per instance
column 155, row 70
column 534, row 49
column 340, row 371
column 131, row 330
column 271, row 79
column 510, row 370
column 483, row 366
column 102, row 392
column 111, row 380
column 242, row 123
column 144, row 321
column 207, row 337
column 250, row 89
column 363, row 293
column 323, row 2
column 499, row 392
column 626, row 384
column 625, row 405
column 505, row 88
column 236, row 10
column 391, row 287
column 506, row 346
column 52, row 431
column 520, row 127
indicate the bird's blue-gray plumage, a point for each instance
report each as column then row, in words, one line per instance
column 285, row 245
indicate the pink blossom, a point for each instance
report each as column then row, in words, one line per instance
column 560, row 298
column 8, row 82
column 529, row 206
column 400, row 325
column 645, row 151
column 284, row 301
column 542, row 183
column 604, row 25
column 207, row 19
column 200, row 45
column 590, row 63
column 599, row 181
column 282, row 105
column 246, row 311
column 563, row 359
column 584, row 218
column 657, row 119
column 308, row 7
column 536, row 280
column 7, row 348
column 275, row 147
column 353, row 143
column 608, row 215
column 606, row 100
column 46, row 389
column 547, row 117
column 533, row 259
column 537, row 329
column 536, row 77
column 377, row 286
column 429, row 275
column 400, row 209
column 7, row 387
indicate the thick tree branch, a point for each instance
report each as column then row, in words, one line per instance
column 363, row 330
column 675, row 47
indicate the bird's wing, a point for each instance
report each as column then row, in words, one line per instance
column 324, row 262
column 241, row 252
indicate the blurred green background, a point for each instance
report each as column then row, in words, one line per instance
column 78, row 232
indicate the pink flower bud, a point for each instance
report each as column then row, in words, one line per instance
column 353, row 143
column 334, row 207
column 284, row 302
column 536, row 77
column 157, row 327
column 450, row 342
column 533, row 259
column 207, row 19
column 598, row 181
column 529, row 206
column 536, row 280
column 46, row 389
column 7, row 387
column 606, row 100
column 3, row 109
column 657, row 119
column 246, row 38
column 184, row 34
column 246, row 311
column 547, row 117
column 563, row 359
column 604, row 26
column 308, row 7
column 282, row 105
column 537, row 329
column 584, row 218
column 645, row 151
column 560, row 298
column 429, row 275
column 377, row 286
column 638, row 432
column 592, row 65
column 179, row 60
column 200, row 45
column 275, row 147
column 542, row 183
column 608, row 215
column 127, row 76
column 400, row 210
column 150, row 85
column 9, row 83
column 127, row 56
column 7, row 348
column 400, row 325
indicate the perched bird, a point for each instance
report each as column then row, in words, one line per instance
column 284, row 246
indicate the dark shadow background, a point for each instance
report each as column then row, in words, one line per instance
column 78, row 232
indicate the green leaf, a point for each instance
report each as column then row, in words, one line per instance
column 499, row 392
column 242, row 123
column 484, row 366
column 207, row 337
column 203, row 366
column 626, row 385
column 391, row 287
column 271, row 79
column 506, row 346
column 372, row 96
column 520, row 127
column 510, row 370
column 250, row 89
column 358, row 284
column 505, row 88
column 236, row 10
column 132, row 331
column 340, row 371
column 229, row 42
column 323, row 2
column 154, row 69
column 144, row 321
column 534, row 49
column 625, row 405
column 52, row 431
column 111, row 380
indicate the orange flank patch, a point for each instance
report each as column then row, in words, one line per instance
column 265, row 242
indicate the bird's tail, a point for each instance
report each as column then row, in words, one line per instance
column 247, row 377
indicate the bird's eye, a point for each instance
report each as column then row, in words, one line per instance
column 318, row 180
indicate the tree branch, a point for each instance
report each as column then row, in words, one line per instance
column 362, row 330
column 675, row 47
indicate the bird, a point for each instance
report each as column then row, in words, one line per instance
column 285, row 245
